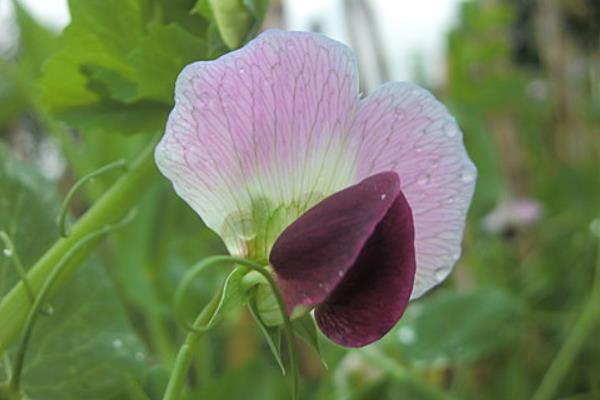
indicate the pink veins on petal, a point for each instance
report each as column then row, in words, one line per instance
column 262, row 134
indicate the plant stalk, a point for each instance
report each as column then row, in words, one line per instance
column 110, row 208
column 561, row 365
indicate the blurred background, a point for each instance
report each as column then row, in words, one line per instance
column 522, row 78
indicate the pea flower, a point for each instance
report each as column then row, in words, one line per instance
column 357, row 205
column 512, row 214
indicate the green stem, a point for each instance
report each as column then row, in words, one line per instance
column 186, row 352
column 64, row 209
column 12, row 251
column 111, row 207
column 564, row 359
column 15, row 379
column 202, row 323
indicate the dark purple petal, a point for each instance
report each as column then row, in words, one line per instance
column 373, row 295
column 312, row 255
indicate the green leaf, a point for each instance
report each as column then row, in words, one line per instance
column 272, row 335
column 36, row 42
column 258, row 8
column 27, row 213
column 453, row 327
column 113, row 117
column 160, row 57
column 102, row 33
column 233, row 19
column 86, row 349
column 118, row 63
column 234, row 294
column 237, row 20
column 17, row 91
column 306, row 328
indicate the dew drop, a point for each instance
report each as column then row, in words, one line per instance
column 205, row 99
column 242, row 70
column 440, row 274
column 450, row 129
column 7, row 252
column 117, row 343
column 423, row 179
column 595, row 227
column 383, row 196
column 400, row 113
column 450, row 200
column 48, row 309
column 340, row 273
column 406, row 335
column 455, row 256
column 467, row 176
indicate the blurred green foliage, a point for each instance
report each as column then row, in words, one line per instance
column 491, row 332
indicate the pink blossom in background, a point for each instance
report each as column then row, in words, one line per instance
column 512, row 213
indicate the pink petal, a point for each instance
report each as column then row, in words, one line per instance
column 267, row 124
column 403, row 128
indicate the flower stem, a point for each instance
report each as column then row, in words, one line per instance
column 568, row 353
column 186, row 352
column 203, row 321
column 111, row 207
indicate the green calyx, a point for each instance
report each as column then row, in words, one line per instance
column 266, row 302
column 252, row 233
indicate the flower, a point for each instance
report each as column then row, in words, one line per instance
column 511, row 214
column 357, row 204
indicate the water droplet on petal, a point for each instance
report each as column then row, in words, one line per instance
column 383, row 196
column 440, row 274
column 450, row 129
column 423, row 179
column 7, row 252
column 242, row 70
column 455, row 256
column 400, row 113
column 467, row 176
column 205, row 99
column 340, row 273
